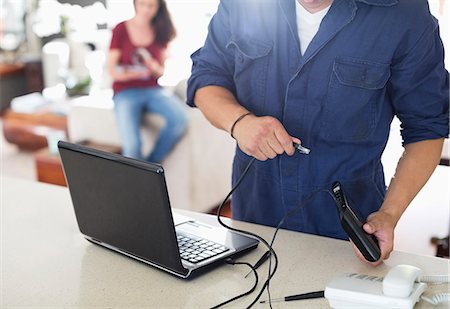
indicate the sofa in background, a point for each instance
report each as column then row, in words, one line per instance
column 198, row 170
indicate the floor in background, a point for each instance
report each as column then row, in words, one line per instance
column 426, row 219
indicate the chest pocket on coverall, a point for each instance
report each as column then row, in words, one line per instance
column 251, row 63
column 355, row 94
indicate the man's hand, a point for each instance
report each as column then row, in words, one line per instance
column 381, row 225
column 263, row 137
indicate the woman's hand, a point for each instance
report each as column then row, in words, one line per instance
column 124, row 75
column 156, row 69
column 137, row 75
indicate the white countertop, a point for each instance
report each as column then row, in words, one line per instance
column 47, row 263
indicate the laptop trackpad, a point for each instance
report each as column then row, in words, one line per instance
column 180, row 219
column 216, row 234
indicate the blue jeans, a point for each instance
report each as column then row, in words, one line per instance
column 131, row 104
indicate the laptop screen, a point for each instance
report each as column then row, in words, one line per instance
column 122, row 202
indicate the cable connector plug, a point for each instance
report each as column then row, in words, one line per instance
column 302, row 149
column 230, row 261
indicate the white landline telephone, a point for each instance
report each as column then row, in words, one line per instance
column 398, row 289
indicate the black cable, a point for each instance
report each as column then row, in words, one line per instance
column 289, row 214
column 243, row 294
column 219, row 219
column 269, row 246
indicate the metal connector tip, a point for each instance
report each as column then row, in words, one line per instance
column 302, row 149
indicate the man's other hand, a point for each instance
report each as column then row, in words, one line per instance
column 381, row 225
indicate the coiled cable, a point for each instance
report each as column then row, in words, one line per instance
column 437, row 299
column 436, row 279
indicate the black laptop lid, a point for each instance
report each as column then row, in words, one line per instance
column 122, row 202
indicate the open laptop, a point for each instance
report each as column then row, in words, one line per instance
column 122, row 204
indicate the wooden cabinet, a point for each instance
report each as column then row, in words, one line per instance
column 12, row 83
column 17, row 79
column 49, row 168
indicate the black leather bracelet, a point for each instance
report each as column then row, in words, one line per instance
column 237, row 120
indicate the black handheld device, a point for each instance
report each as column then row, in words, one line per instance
column 353, row 226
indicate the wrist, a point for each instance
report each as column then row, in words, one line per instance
column 392, row 211
column 233, row 126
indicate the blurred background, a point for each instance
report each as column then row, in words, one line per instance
column 54, row 85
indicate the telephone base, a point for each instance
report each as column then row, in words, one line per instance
column 362, row 291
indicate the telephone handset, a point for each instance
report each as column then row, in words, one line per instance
column 399, row 281
column 353, row 226
column 398, row 289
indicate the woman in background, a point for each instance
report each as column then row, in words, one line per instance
column 136, row 61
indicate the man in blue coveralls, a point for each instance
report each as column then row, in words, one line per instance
column 331, row 75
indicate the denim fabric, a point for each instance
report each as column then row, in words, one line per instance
column 371, row 60
column 131, row 104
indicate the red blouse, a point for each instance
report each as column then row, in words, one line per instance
column 130, row 58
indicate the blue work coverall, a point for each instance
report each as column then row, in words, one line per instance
column 369, row 61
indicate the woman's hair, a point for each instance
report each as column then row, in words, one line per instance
column 162, row 24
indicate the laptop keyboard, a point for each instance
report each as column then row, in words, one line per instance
column 195, row 249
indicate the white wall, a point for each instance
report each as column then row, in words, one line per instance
column 441, row 10
column 429, row 213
